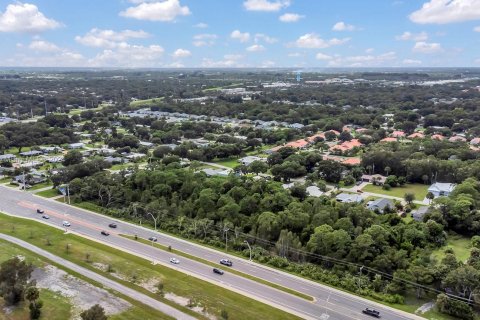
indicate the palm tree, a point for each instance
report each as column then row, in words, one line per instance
column 430, row 196
column 387, row 170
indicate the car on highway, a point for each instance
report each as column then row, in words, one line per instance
column 174, row 261
column 45, row 216
column 218, row 271
column 40, row 211
column 112, row 225
column 152, row 239
column 66, row 224
column 371, row 312
column 105, row 233
column 226, row 262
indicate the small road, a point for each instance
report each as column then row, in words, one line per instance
column 135, row 295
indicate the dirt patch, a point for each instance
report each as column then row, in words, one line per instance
column 425, row 308
column 83, row 294
column 185, row 302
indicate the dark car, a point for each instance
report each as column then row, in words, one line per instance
column 152, row 239
column 112, row 225
column 226, row 262
column 218, row 271
column 40, row 211
column 45, row 216
column 105, row 233
column 371, row 312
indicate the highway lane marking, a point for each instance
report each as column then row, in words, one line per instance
column 73, row 221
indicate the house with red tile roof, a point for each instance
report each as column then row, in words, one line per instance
column 346, row 146
column 416, row 135
column 437, row 137
column 457, row 139
column 398, row 134
column 351, row 162
column 475, row 141
column 389, row 139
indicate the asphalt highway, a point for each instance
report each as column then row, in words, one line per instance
column 329, row 303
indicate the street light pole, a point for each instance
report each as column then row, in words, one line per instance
column 154, row 220
column 226, row 237
column 249, row 248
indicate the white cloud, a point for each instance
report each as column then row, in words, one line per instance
column 295, row 54
column 476, row 29
column 181, row 53
column 44, row 46
column 175, row 64
column 369, row 50
column 363, row 60
column 265, row 5
column 127, row 55
column 204, row 39
column 313, row 41
column 256, row 48
column 342, row 26
column 263, row 37
column 228, row 61
column 25, row 17
column 411, row 62
column 447, row 11
column 407, row 35
column 290, row 17
column 201, row 25
column 242, row 37
column 426, row 47
column 109, row 38
column 322, row 56
column 166, row 10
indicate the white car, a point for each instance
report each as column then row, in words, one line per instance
column 66, row 224
column 174, row 261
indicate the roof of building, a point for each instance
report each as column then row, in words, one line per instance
column 457, row 139
column 314, row 191
column 438, row 137
column 349, row 197
column 398, row 133
column 416, row 135
column 352, row 161
column 380, row 204
column 475, row 141
column 418, row 214
column 388, row 139
column 347, row 145
column 7, row 156
column 442, row 187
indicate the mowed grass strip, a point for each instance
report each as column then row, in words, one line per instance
column 228, row 269
column 139, row 273
column 58, row 307
column 419, row 190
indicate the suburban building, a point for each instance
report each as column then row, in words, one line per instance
column 30, row 153
column 457, row 139
column 380, row 205
column 438, row 137
column 375, row 179
column 440, row 189
column 398, row 134
column 7, row 157
column 77, row 145
column 216, row 172
column 349, row 198
column 419, row 213
column 246, row 161
column 314, row 191
column 416, row 135
column 389, row 139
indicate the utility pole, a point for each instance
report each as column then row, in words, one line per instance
column 249, row 248
column 68, row 193
column 45, row 103
column 226, row 237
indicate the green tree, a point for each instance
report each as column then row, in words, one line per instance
column 32, row 294
column 257, row 167
column 14, row 276
column 409, row 197
column 430, row 196
column 96, row 312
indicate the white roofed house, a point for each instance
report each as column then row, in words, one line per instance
column 7, row 157
column 77, row 145
column 440, row 189
column 246, row 161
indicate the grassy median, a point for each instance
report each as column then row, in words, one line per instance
column 140, row 274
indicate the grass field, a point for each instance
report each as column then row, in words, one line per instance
column 231, row 162
column 121, row 166
column 56, row 306
column 41, row 185
column 419, row 190
column 460, row 245
column 50, row 193
column 146, row 102
column 134, row 272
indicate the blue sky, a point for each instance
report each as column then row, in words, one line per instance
column 240, row 33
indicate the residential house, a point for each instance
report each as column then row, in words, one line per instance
column 77, row 145
column 146, row 144
column 31, row 153
column 416, row 135
column 440, row 189
column 314, row 191
column 349, row 198
column 346, row 146
column 475, row 141
column 389, row 139
column 380, row 205
column 7, row 157
column 55, row 149
column 246, row 161
column 419, row 213
column 28, row 179
column 437, row 137
column 398, row 134
column 457, row 139
column 216, row 172
column 377, row 179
